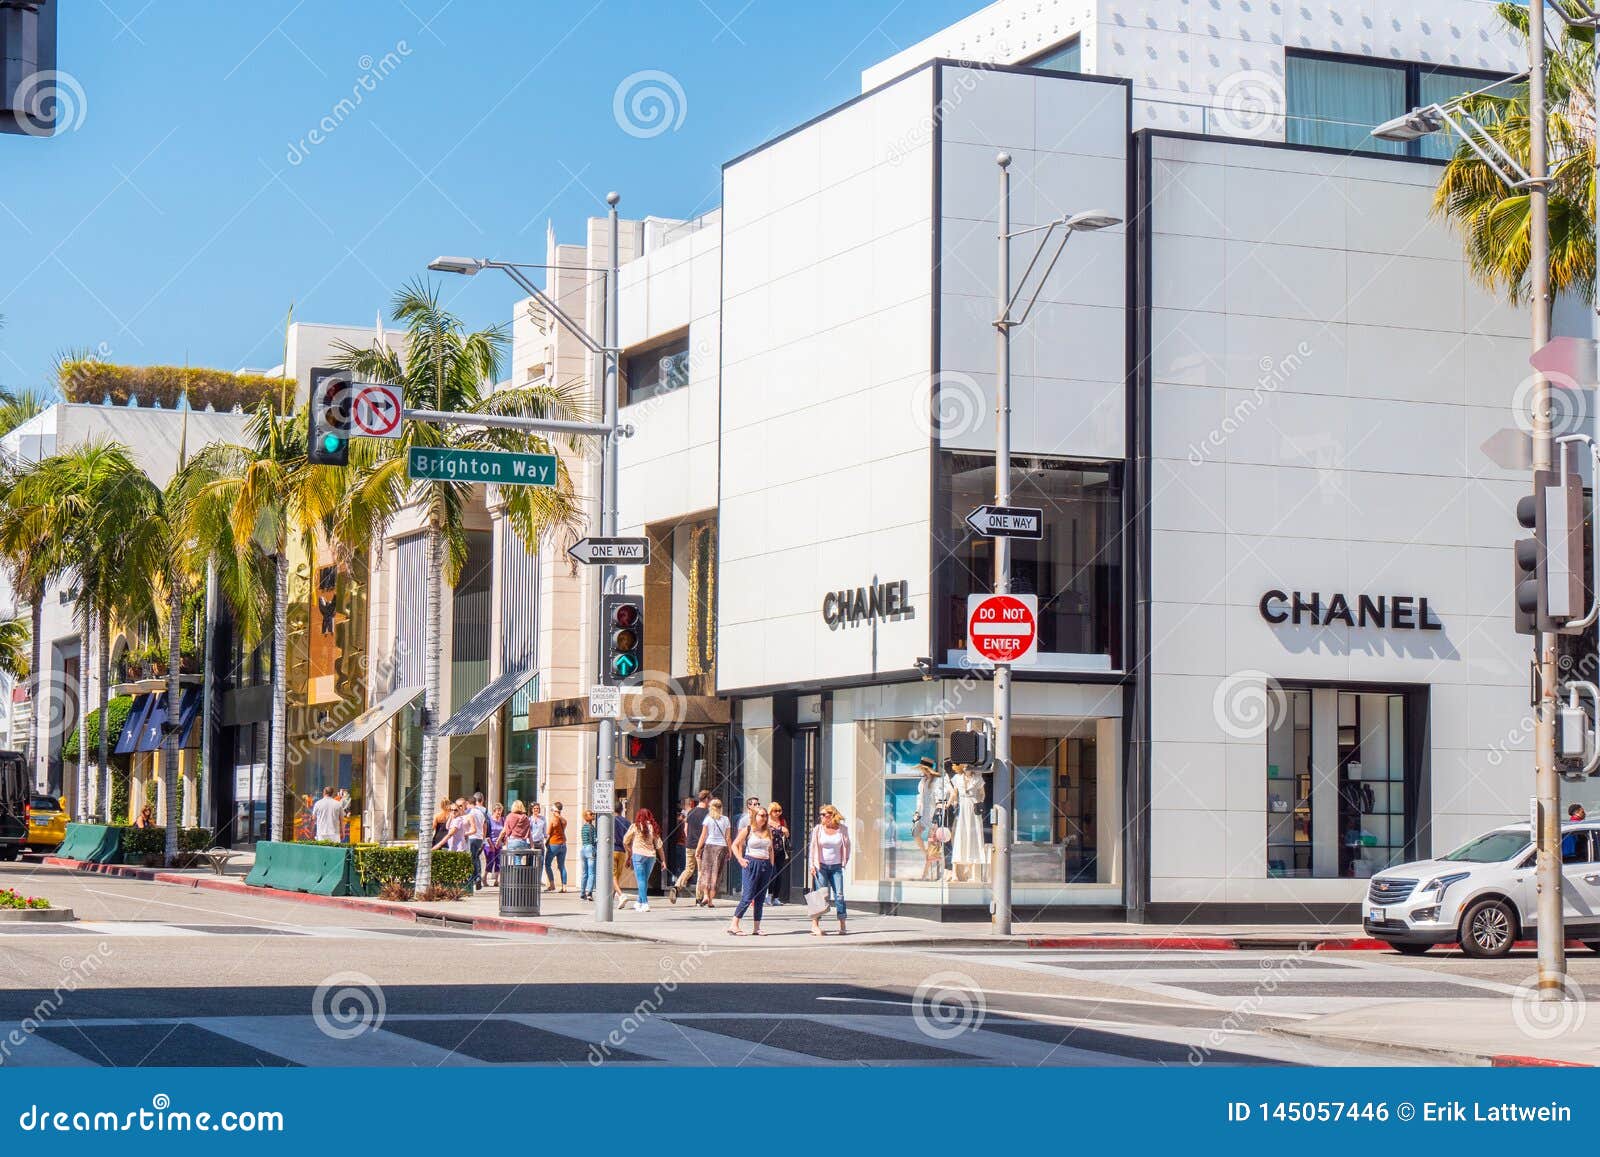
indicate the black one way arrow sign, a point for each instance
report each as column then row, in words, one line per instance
column 612, row 551
column 1007, row 521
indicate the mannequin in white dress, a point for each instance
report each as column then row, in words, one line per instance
column 969, row 857
column 934, row 797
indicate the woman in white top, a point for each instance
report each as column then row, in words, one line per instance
column 753, row 849
column 711, row 853
column 830, row 852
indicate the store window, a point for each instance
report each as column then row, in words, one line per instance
column 1336, row 101
column 521, row 747
column 657, row 370
column 1342, row 775
column 1067, row 57
column 1075, row 569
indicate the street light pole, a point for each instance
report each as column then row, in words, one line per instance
column 606, row 740
column 1547, row 783
column 1002, row 564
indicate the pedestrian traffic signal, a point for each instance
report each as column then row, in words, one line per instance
column 1548, row 568
column 622, row 640
column 328, row 431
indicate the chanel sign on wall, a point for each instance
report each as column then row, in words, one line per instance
column 1382, row 612
column 863, row 604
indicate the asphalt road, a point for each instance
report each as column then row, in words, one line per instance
column 162, row 975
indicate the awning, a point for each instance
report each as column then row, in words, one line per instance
column 128, row 737
column 152, row 727
column 476, row 711
column 359, row 729
column 188, row 716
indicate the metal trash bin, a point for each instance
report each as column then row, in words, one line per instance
column 521, row 876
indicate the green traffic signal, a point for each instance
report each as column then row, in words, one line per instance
column 331, row 443
column 624, row 665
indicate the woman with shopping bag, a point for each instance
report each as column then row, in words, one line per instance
column 830, row 852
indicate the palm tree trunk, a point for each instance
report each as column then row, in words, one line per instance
column 103, row 667
column 85, row 624
column 430, row 707
column 280, row 633
column 169, row 746
column 36, row 685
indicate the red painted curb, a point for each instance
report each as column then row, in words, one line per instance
column 1515, row 1061
column 508, row 924
column 1353, row 944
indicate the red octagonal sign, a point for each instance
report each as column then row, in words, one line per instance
column 1002, row 628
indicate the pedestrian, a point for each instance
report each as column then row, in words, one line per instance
column 680, row 839
column 830, row 853
column 556, row 848
column 752, row 847
column 750, row 805
column 516, row 835
column 441, row 820
column 711, row 854
column 643, row 843
column 328, row 815
column 780, row 854
column 491, row 845
column 538, row 827
column 588, row 848
column 619, row 858
column 458, row 831
column 480, row 832
column 693, row 824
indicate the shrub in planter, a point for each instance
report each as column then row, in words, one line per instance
column 139, row 844
column 375, row 864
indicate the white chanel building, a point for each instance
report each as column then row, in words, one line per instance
column 1276, row 652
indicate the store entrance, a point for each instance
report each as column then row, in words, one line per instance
column 690, row 761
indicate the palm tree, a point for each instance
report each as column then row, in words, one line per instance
column 443, row 367
column 17, row 406
column 1492, row 218
column 31, row 555
column 16, row 639
column 242, row 504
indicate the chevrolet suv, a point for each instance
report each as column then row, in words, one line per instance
column 1481, row 896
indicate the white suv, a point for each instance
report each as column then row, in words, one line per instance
column 1482, row 895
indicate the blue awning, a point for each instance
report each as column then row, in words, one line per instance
column 189, row 716
column 152, row 731
column 128, row 737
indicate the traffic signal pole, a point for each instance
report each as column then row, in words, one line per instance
column 606, row 739
column 1001, row 885
column 1551, row 935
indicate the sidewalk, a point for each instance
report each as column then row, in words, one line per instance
column 685, row 925
column 1499, row 1033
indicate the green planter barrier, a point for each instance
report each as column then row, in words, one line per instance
column 315, row 868
column 92, row 843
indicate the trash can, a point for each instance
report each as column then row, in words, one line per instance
column 521, row 870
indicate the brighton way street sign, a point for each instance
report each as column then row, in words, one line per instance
column 500, row 467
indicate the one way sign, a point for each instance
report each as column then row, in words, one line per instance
column 611, row 551
column 1007, row 521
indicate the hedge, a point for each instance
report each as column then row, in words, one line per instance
column 91, row 380
column 117, row 711
column 375, row 863
column 153, row 841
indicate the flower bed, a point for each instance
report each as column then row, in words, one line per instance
column 11, row 898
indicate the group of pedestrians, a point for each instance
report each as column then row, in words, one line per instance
column 761, row 843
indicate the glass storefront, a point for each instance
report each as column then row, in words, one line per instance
column 521, row 753
column 1342, row 775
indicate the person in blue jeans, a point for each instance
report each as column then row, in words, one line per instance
column 830, row 852
column 752, row 847
column 588, row 847
column 643, row 842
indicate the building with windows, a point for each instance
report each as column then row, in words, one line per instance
column 1275, row 645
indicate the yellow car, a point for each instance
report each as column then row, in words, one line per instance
column 47, row 823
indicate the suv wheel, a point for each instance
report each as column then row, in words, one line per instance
column 1489, row 928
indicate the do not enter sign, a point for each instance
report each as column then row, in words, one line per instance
column 1002, row 628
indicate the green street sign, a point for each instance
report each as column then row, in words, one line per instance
column 498, row 466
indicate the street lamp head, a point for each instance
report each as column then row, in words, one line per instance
column 466, row 266
column 1090, row 220
column 1417, row 123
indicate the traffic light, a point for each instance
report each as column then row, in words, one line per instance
column 641, row 748
column 1548, row 568
column 970, row 748
column 328, row 433
column 622, row 640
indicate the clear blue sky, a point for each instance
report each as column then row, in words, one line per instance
column 184, row 208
